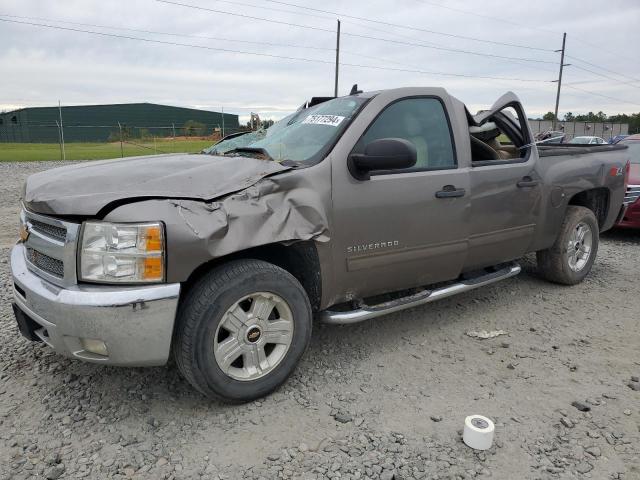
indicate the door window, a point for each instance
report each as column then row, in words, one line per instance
column 421, row 121
column 501, row 138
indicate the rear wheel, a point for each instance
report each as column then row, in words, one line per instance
column 571, row 257
column 242, row 329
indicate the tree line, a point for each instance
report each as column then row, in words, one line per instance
column 632, row 119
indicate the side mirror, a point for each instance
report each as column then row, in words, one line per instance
column 382, row 154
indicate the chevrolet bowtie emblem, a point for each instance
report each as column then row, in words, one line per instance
column 24, row 232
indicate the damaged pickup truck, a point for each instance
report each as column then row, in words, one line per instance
column 351, row 208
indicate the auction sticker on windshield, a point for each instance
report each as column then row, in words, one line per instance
column 332, row 120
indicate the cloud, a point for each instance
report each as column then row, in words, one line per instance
column 42, row 66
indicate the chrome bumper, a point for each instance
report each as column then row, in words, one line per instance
column 134, row 322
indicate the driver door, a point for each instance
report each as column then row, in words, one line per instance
column 402, row 228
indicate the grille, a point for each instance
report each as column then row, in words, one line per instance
column 632, row 194
column 45, row 262
column 58, row 233
column 50, row 250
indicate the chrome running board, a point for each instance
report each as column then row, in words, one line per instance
column 427, row 296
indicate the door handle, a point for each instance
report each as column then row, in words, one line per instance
column 449, row 191
column 527, row 182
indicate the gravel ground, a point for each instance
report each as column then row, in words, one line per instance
column 382, row 399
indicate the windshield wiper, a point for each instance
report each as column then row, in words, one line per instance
column 256, row 150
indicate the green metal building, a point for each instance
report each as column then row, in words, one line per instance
column 101, row 123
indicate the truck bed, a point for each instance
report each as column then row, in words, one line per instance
column 562, row 149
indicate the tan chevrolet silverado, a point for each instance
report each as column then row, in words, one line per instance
column 348, row 209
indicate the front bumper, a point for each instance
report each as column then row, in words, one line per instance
column 134, row 322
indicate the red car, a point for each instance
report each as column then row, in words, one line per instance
column 631, row 217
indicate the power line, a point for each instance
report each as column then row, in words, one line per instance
column 281, row 22
column 601, row 95
column 400, row 42
column 446, row 49
column 163, row 42
column 405, row 70
column 407, row 27
column 537, row 67
column 357, row 35
column 608, row 50
column 490, row 17
column 284, row 57
column 289, row 45
column 602, row 68
column 512, row 22
column 155, row 32
column 271, row 9
column 387, row 32
column 462, row 75
column 408, row 67
column 605, row 76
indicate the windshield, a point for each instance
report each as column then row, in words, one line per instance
column 302, row 136
column 234, row 141
column 634, row 150
column 581, row 140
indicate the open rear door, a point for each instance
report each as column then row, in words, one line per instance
column 508, row 114
column 505, row 184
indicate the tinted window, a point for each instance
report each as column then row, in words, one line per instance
column 421, row 121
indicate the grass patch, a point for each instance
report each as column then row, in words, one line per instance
column 32, row 152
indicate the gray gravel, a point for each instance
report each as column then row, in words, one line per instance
column 383, row 399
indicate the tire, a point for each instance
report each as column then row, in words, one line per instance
column 566, row 261
column 225, row 325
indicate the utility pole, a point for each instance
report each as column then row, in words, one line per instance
column 121, row 147
column 59, row 138
column 64, row 153
column 222, row 121
column 562, row 65
column 335, row 88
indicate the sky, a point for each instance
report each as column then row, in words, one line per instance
column 234, row 61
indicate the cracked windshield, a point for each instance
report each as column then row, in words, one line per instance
column 300, row 137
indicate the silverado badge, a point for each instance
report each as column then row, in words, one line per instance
column 366, row 247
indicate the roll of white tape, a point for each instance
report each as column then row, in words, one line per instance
column 478, row 432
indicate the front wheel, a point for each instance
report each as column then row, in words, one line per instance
column 571, row 257
column 242, row 330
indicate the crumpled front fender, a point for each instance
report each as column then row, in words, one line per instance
column 285, row 208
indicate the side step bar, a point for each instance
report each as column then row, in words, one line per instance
column 427, row 296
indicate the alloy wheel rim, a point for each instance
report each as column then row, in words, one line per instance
column 579, row 246
column 254, row 336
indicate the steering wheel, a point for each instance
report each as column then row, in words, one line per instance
column 482, row 151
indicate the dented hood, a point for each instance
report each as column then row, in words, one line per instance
column 84, row 189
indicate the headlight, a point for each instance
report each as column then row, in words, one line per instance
column 122, row 252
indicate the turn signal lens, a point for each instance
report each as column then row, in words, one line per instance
column 152, row 238
column 152, row 269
